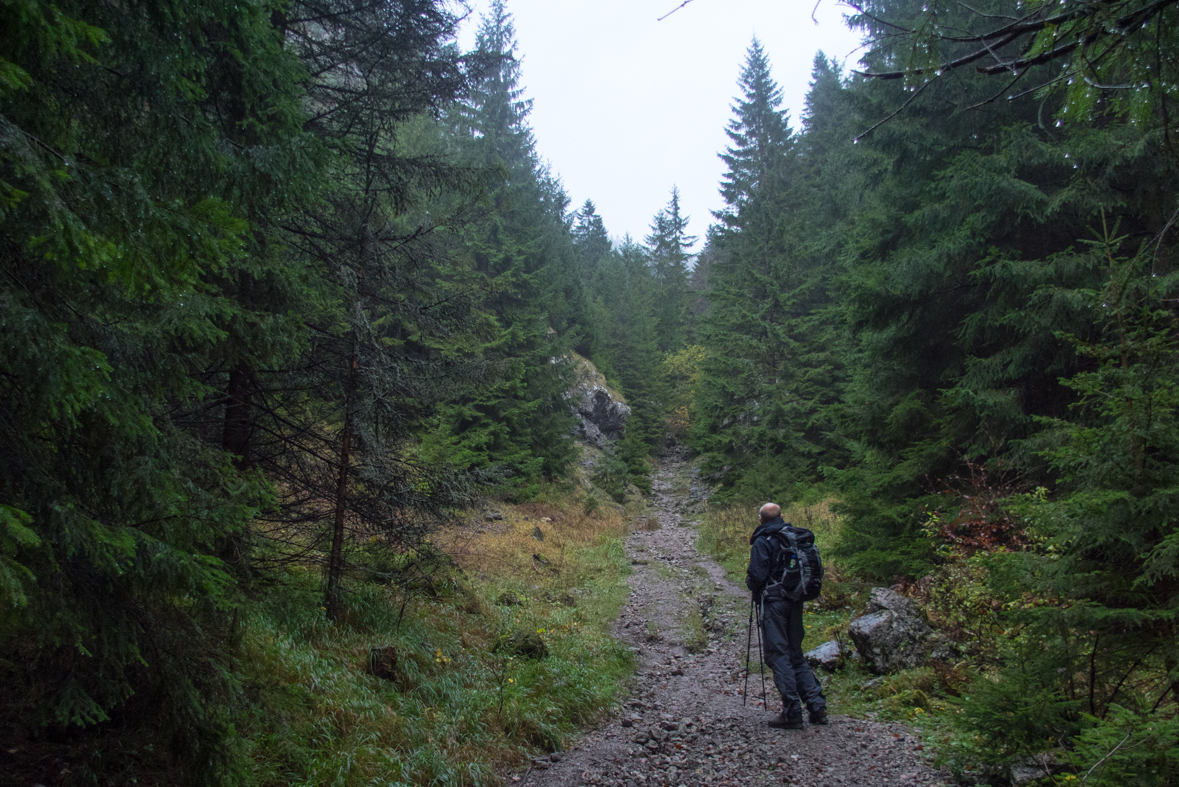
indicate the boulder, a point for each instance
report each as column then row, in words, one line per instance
column 828, row 656
column 886, row 598
column 601, row 414
column 893, row 634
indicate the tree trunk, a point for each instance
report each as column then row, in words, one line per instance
column 333, row 600
column 235, row 437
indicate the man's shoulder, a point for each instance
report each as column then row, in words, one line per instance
column 772, row 528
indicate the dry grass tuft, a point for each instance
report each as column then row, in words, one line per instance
column 649, row 523
column 511, row 547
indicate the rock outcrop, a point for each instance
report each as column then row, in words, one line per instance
column 601, row 414
column 892, row 635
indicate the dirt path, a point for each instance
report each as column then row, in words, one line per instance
column 683, row 722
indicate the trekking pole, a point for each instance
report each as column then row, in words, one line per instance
column 748, row 647
column 761, row 657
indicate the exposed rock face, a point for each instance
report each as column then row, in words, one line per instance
column 828, row 656
column 601, row 415
column 893, row 635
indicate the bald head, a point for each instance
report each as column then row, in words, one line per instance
column 770, row 511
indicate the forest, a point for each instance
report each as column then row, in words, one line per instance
column 286, row 291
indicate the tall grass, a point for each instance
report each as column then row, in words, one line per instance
column 461, row 710
column 725, row 531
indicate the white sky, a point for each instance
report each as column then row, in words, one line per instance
column 625, row 107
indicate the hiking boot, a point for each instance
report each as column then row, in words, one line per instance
column 784, row 722
column 817, row 716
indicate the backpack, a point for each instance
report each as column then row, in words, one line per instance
column 798, row 568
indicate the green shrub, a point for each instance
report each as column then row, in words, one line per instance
column 612, row 474
column 1136, row 747
column 1019, row 710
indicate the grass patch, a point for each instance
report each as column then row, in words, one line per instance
column 662, row 569
column 725, row 531
column 435, row 696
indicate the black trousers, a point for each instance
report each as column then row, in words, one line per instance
column 782, row 632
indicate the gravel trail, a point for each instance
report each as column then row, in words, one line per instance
column 684, row 722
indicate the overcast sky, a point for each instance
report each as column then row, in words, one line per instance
column 625, row 106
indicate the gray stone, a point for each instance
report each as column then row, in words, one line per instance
column 1029, row 769
column 892, row 636
column 941, row 647
column 601, row 416
column 828, row 656
column 885, row 598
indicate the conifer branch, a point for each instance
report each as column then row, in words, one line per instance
column 880, row 21
column 1018, row 76
column 1008, row 33
column 1052, row 81
column 962, row 61
column 1106, row 757
column 898, row 111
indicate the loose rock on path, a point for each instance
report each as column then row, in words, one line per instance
column 684, row 722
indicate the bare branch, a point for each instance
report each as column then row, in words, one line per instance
column 962, row 61
column 988, row 16
column 898, row 111
column 1018, row 76
column 672, row 11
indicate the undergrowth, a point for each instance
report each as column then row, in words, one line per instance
column 1025, row 685
column 454, row 704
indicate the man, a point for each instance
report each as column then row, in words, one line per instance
column 781, row 626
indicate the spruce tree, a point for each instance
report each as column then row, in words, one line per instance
column 591, row 239
column 747, row 413
column 958, row 344
column 628, row 295
column 139, row 160
column 521, row 251
column 593, row 248
column 669, row 249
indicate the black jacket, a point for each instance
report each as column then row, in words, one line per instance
column 763, row 553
